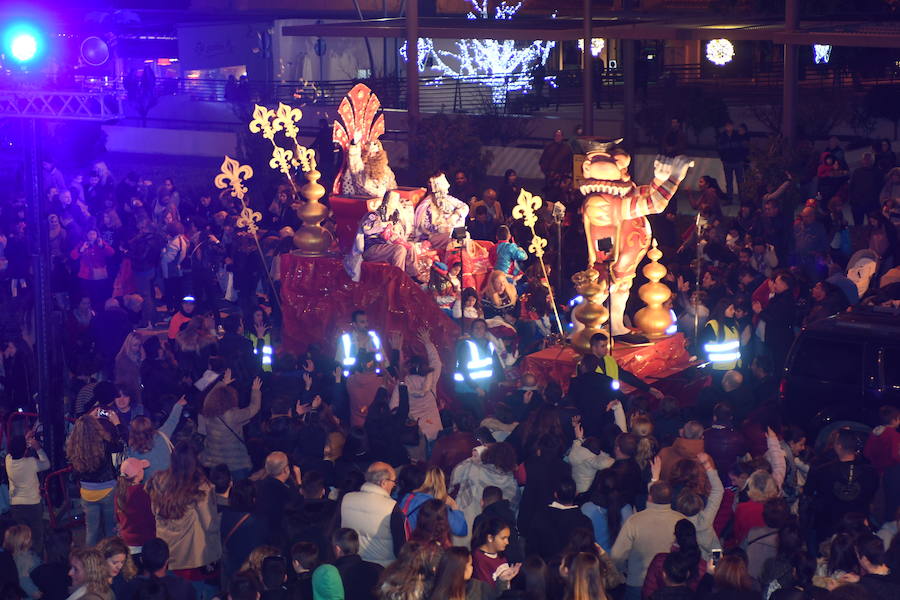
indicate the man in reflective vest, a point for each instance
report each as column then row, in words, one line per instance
column 618, row 375
column 721, row 341
column 360, row 337
column 477, row 368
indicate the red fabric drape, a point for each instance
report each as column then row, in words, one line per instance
column 318, row 297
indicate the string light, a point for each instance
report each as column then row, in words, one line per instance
column 426, row 48
column 503, row 65
column 821, row 53
column 597, row 45
column 720, row 51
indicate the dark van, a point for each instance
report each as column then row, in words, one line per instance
column 843, row 369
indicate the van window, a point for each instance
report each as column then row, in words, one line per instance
column 828, row 360
column 892, row 368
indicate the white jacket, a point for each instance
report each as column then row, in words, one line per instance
column 423, row 406
column 585, row 465
column 368, row 512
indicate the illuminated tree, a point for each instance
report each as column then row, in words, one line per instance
column 504, row 65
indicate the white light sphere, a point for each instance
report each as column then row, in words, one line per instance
column 720, row 51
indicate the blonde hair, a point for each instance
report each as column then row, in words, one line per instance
column 17, row 539
column 434, row 484
column 642, row 426
column 85, row 447
column 112, row 546
column 95, row 570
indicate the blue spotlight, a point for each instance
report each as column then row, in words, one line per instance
column 23, row 43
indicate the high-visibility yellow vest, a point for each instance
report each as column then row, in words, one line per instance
column 478, row 367
column 610, row 368
column 262, row 346
column 723, row 354
column 349, row 351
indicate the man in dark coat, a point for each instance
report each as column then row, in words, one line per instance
column 556, row 522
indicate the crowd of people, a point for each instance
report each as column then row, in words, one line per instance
column 209, row 461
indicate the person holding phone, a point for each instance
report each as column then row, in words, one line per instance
column 89, row 449
column 93, row 255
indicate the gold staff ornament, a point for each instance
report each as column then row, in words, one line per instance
column 231, row 177
column 525, row 210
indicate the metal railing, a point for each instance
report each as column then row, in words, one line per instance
column 474, row 95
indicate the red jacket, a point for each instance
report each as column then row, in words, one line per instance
column 883, row 448
column 137, row 526
column 92, row 262
column 747, row 516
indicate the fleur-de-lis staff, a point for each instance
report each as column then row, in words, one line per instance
column 526, row 209
column 232, row 177
column 268, row 122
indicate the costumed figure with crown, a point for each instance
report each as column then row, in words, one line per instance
column 439, row 213
column 616, row 208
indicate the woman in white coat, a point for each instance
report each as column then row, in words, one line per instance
column 422, row 376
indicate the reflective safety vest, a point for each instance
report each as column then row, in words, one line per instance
column 610, row 368
column 724, row 352
column 348, row 351
column 263, row 347
column 479, row 367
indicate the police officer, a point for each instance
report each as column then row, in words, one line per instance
column 360, row 337
column 609, row 367
column 478, row 367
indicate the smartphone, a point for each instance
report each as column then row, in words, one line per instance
column 716, row 554
column 103, row 413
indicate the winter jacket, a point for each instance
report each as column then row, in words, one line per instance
column 682, row 448
column 411, row 503
column 378, row 521
column 654, row 582
column 194, row 538
column 224, row 443
column 472, row 476
column 92, row 260
column 585, row 465
column 644, row 535
column 725, row 446
column 883, row 448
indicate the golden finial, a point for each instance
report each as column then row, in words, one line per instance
column 654, row 320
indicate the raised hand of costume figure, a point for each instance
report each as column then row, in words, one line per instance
column 676, row 168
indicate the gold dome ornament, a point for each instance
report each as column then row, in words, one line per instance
column 312, row 239
column 591, row 312
column 654, row 319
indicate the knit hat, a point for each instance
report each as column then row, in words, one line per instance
column 132, row 467
column 326, row 583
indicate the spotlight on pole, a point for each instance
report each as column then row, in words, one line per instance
column 23, row 43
